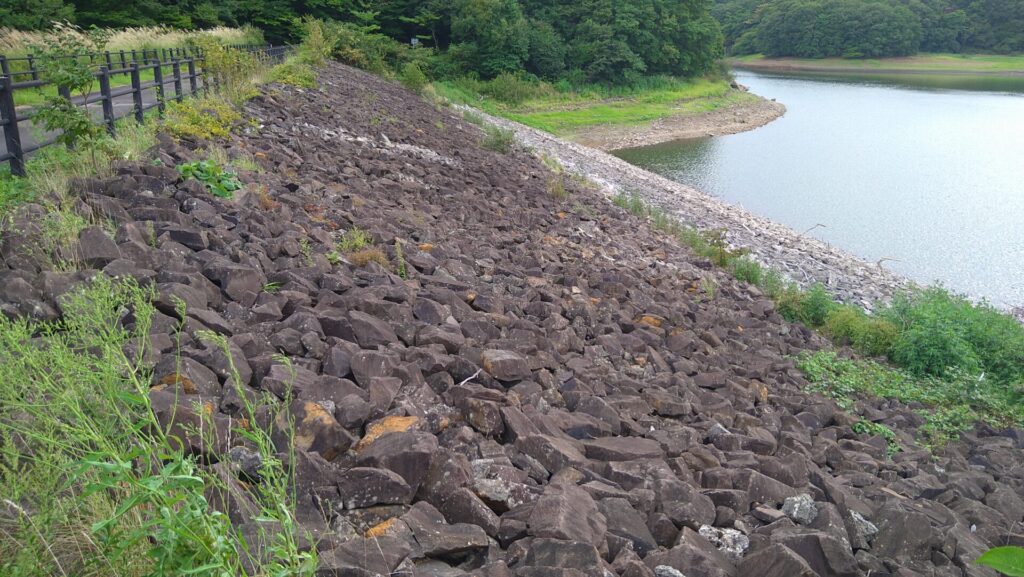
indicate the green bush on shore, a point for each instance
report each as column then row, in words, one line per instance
column 964, row 359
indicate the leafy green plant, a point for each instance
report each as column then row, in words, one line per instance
column 1007, row 560
column 866, row 427
column 354, row 239
column 954, row 402
column 165, row 512
column 221, row 183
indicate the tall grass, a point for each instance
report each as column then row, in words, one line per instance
column 93, row 483
column 50, row 171
column 20, row 42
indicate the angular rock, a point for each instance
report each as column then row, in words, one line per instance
column 694, row 556
column 361, row 487
column 622, row 449
column 505, row 365
column 775, row 561
column 569, row 513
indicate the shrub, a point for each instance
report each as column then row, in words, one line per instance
column 514, row 88
column 373, row 52
column 939, row 330
column 203, row 118
column 295, row 73
column 789, row 302
column 498, row 139
column 815, row 306
column 231, row 71
column 748, row 270
column 413, row 78
column 848, row 325
column 318, row 41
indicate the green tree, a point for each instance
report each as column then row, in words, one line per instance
column 34, row 14
column 489, row 36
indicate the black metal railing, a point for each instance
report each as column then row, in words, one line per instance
column 185, row 77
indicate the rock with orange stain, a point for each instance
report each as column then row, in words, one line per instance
column 379, row 428
column 650, row 320
column 407, row 453
column 382, row 529
column 315, row 430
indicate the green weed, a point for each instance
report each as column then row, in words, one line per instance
column 498, row 139
column 955, row 402
column 354, row 239
column 747, row 270
column 400, row 257
column 866, row 427
column 219, row 182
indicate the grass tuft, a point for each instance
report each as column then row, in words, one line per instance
column 498, row 139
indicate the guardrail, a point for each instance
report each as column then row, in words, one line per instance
column 185, row 77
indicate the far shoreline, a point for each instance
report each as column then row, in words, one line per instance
column 747, row 114
column 937, row 64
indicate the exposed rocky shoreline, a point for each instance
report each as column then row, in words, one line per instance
column 746, row 114
column 802, row 258
column 518, row 383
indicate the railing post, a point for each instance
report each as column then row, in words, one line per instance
column 158, row 79
column 192, row 76
column 108, row 101
column 12, row 138
column 32, row 67
column 124, row 63
column 137, row 92
column 176, row 69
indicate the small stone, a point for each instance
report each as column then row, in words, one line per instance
column 666, row 571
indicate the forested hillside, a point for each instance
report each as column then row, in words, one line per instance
column 870, row 28
column 593, row 40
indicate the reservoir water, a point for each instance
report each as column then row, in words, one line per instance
column 926, row 172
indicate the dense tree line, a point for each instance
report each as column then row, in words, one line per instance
column 870, row 28
column 594, row 40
